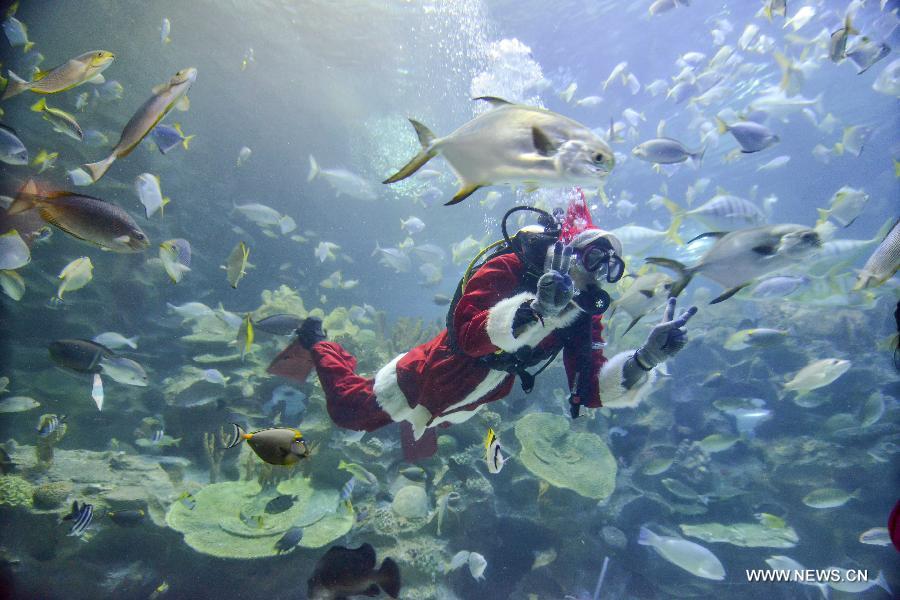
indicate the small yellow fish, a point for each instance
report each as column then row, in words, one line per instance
column 75, row 276
column 61, row 121
column 245, row 335
column 45, row 160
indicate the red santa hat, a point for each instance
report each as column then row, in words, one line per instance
column 578, row 228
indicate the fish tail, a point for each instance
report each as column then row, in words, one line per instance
column 697, row 157
column 99, row 169
column 28, row 46
column 389, row 577
column 823, row 216
column 40, row 105
column 186, row 142
column 26, row 199
column 426, row 139
column 16, row 86
column 237, row 436
column 817, row 104
column 721, row 125
column 646, row 537
column 313, row 169
column 674, row 226
column 685, row 274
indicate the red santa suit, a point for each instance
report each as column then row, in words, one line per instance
column 434, row 384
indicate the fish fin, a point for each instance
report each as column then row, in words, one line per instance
column 714, row 234
column 463, row 193
column 99, row 79
column 25, row 199
column 183, row 104
column 40, row 105
column 237, row 436
column 728, row 293
column 15, row 86
column 186, row 142
column 28, row 46
column 389, row 577
column 425, row 135
column 685, row 274
column 823, row 216
column 372, row 591
column 99, row 169
column 157, row 88
column 542, row 142
column 494, row 101
column 412, row 166
column 490, row 437
column 634, row 322
column 697, row 157
column 721, row 125
column 313, row 169
column 672, row 231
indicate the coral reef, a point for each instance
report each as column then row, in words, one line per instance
column 747, row 535
column 411, row 502
column 51, row 495
column 229, row 519
column 14, row 491
column 578, row 461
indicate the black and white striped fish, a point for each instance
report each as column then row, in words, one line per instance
column 347, row 492
column 49, row 424
column 81, row 516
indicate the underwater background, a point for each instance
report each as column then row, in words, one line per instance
column 337, row 80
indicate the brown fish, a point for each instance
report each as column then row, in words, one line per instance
column 90, row 219
column 79, row 355
column 145, row 119
column 276, row 446
column 344, row 572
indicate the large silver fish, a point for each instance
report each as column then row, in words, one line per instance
column 515, row 144
column 146, row 118
column 66, row 76
column 883, row 263
column 737, row 258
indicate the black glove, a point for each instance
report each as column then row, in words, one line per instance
column 555, row 288
column 666, row 339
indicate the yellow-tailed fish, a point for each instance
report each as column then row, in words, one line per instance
column 175, row 255
column 45, row 160
column 75, row 276
column 61, row 121
column 245, row 335
column 66, row 76
column 145, row 119
column 237, row 263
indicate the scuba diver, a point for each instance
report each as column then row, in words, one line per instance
column 538, row 293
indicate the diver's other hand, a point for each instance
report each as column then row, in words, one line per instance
column 666, row 339
column 555, row 288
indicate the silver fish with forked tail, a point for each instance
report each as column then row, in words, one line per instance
column 515, row 144
column 739, row 257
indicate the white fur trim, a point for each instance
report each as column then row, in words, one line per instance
column 612, row 391
column 393, row 401
column 487, row 385
column 500, row 320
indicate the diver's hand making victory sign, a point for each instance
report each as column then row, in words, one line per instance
column 666, row 339
column 555, row 287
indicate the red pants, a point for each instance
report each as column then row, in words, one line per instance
column 351, row 401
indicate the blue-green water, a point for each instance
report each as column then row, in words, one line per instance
column 337, row 81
